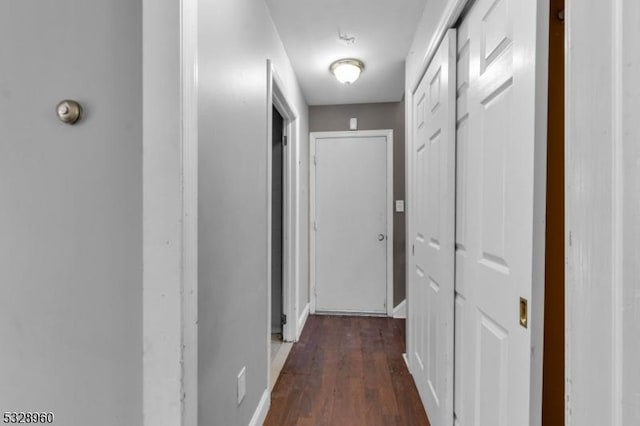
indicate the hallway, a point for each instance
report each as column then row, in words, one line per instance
column 183, row 182
column 347, row 371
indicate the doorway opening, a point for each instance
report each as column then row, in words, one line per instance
column 554, row 339
column 278, row 317
column 283, row 323
column 351, row 222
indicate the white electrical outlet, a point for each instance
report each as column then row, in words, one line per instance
column 399, row 206
column 242, row 384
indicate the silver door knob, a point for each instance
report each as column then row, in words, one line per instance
column 69, row 111
column 380, row 237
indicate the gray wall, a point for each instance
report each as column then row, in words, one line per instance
column 236, row 38
column 71, row 215
column 370, row 117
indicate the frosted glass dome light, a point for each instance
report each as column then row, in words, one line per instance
column 347, row 70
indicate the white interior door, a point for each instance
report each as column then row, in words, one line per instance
column 433, row 219
column 499, row 137
column 350, row 222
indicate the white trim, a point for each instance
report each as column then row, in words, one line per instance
column 302, row 321
column 312, row 234
column 617, row 203
column 595, row 141
column 388, row 133
column 568, row 275
column 189, row 45
column 170, row 199
column 400, row 311
column 260, row 415
column 390, row 211
column 277, row 97
column 408, row 208
column 536, row 304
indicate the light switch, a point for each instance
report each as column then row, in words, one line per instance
column 353, row 124
column 399, row 206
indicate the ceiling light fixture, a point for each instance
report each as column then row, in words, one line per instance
column 347, row 70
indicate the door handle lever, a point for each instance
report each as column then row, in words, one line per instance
column 380, row 237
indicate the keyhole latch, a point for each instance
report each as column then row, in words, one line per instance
column 69, row 111
column 524, row 312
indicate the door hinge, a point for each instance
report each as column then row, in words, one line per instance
column 315, row 225
column 315, row 160
column 283, row 319
column 284, row 140
column 413, row 249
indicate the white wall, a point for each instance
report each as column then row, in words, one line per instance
column 423, row 39
column 236, row 38
column 603, row 183
column 71, row 215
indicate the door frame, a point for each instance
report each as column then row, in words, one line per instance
column 450, row 17
column 170, row 205
column 277, row 98
column 598, row 278
column 313, row 136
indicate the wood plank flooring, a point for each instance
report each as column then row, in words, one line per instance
column 347, row 371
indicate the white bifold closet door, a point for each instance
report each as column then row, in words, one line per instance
column 501, row 167
column 431, row 280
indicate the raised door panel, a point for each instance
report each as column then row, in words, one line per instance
column 431, row 312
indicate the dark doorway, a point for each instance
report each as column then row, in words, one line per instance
column 553, row 358
column 277, row 194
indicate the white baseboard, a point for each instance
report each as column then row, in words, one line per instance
column 260, row 415
column 302, row 321
column 400, row 311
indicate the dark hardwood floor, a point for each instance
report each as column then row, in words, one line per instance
column 347, row 371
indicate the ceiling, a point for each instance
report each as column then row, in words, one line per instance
column 383, row 30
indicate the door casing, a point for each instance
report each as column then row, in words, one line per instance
column 388, row 133
column 277, row 98
column 170, row 205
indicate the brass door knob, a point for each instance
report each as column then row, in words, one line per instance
column 69, row 111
